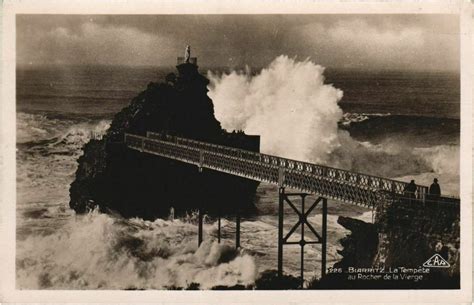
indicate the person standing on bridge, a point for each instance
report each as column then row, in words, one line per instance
column 435, row 190
column 410, row 189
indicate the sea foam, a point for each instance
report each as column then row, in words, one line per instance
column 102, row 251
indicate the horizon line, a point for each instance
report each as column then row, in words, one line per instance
column 234, row 68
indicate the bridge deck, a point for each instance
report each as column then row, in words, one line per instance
column 343, row 185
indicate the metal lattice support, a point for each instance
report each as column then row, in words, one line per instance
column 303, row 223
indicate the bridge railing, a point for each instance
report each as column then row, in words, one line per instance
column 333, row 174
column 261, row 171
column 330, row 182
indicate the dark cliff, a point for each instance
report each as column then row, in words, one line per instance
column 405, row 234
column 412, row 231
column 113, row 177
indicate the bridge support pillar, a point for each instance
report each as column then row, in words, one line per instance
column 281, row 192
column 237, row 230
column 303, row 222
column 219, row 228
column 324, row 237
column 200, row 224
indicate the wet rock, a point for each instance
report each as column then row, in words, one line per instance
column 405, row 234
column 359, row 247
column 114, row 178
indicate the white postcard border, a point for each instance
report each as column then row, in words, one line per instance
column 8, row 292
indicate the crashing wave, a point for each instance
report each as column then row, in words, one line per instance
column 299, row 117
column 129, row 254
column 40, row 130
column 348, row 117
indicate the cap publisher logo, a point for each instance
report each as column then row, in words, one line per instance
column 436, row 261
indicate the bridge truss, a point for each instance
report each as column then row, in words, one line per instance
column 330, row 182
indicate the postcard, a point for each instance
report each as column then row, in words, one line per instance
column 262, row 152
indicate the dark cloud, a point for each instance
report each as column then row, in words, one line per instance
column 369, row 41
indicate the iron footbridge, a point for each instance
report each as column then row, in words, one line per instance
column 329, row 182
column 307, row 178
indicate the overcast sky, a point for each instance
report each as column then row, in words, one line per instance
column 420, row 42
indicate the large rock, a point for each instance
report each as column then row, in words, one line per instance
column 112, row 177
column 411, row 231
column 405, row 234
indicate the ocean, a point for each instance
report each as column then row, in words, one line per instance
column 396, row 124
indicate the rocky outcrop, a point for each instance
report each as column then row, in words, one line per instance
column 412, row 231
column 359, row 247
column 405, row 234
column 112, row 177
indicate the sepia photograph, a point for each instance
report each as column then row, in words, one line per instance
column 242, row 152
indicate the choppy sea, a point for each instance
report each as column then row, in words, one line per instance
column 385, row 113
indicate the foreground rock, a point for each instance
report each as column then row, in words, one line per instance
column 113, row 177
column 395, row 251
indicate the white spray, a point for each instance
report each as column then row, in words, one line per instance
column 297, row 114
column 287, row 104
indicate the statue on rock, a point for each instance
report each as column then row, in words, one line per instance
column 187, row 54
